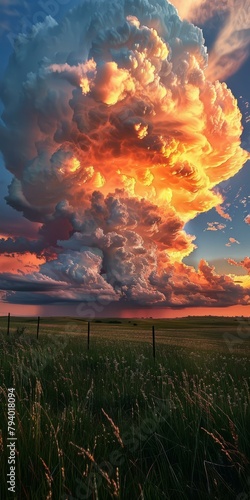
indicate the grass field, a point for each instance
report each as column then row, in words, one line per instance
column 113, row 423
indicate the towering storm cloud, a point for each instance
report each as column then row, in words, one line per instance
column 116, row 138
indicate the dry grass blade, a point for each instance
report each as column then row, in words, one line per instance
column 115, row 428
column 111, row 482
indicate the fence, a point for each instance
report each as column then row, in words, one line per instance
column 21, row 330
column 217, row 333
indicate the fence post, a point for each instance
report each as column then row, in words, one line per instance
column 88, row 333
column 8, row 327
column 38, row 326
column 153, row 335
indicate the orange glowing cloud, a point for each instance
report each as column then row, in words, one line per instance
column 16, row 263
column 245, row 263
column 215, row 226
column 221, row 211
column 188, row 142
column 231, row 241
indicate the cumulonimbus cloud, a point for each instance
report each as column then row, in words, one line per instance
column 115, row 139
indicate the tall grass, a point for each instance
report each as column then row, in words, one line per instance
column 110, row 423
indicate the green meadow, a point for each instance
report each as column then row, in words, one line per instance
column 112, row 422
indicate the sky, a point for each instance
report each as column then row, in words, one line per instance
column 124, row 168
